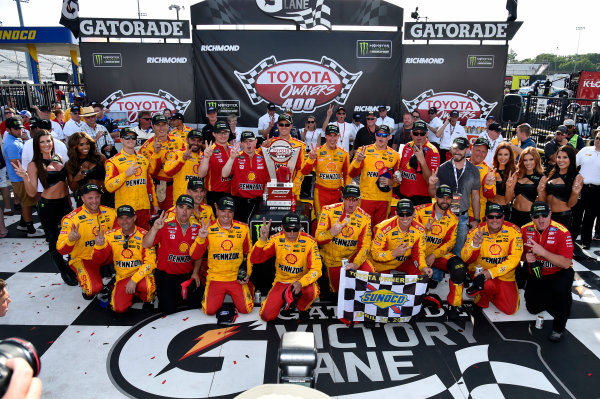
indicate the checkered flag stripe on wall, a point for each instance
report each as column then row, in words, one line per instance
column 348, row 79
column 368, row 13
column 180, row 106
column 486, row 107
column 353, row 289
column 222, row 15
column 248, row 79
column 412, row 104
column 113, row 97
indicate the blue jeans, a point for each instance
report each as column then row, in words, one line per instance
column 461, row 233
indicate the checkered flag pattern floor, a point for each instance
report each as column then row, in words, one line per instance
column 248, row 79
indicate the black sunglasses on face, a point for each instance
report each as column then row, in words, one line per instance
column 291, row 229
column 284, row 124
column 543, row 215
column 310, row 121
column 492, row 217
column 419, row 133
column 404, row 214
column 371, row 119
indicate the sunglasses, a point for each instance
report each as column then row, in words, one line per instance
column 597, row 138
column 541, row 215
column 416, row 116
column 291, row 229
column 284, row 124
column 492, row 217
column 405, row 214
column 341, row 113
column 431, row 113
column 380, row 134
column 371, row 119
column 310, row 121
column 419, row 133
column 126, row 244
column 561, row 134
column 129, row 137
column 146, row 119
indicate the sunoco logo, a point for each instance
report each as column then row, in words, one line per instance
column 430, row 60
column 469, row 105
column 384, row 298
column 374, row 49
column 299, row 85
column 186, row 355
column 107, row 59
column 219, row 47
column 166, row 60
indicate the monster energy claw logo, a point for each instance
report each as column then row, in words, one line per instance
column 363, row 47
column 212, row 104
column 472, row 60
column 107, row 59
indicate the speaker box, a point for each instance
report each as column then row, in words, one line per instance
column 512, row 107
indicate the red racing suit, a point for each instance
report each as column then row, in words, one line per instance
column 413, row 183
column 500, row 254
column 294, row 261
column 132, row 262
column 88, row 226
column 213, row 180
column 226, row 250
column 555, row 238
column 351, row 243
column 250, row 175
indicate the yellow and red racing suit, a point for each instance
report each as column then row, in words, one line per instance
column 182, row 171
column 136, row 190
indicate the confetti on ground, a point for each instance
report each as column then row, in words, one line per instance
column 186, row 319
column 92, row 334
column 152, row 357
column 149, row 375
column 164, row 381
column 140, row 335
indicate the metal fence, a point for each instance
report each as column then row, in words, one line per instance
column 545, row 114
column 25, row 96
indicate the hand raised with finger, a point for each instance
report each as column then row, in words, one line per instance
column 160, row 222
column 478, row 237
column 313, row 153
column 203, row 232
column 490, row 178
column 100, row 240
column 433, row 179
column 74, row 233
column 264, row 230
column 338, row 227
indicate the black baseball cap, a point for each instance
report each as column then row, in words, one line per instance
column 384, row 129
column 351, row 191
column 271, row 107
column 195, row 134
column 40, row 123
column 220, row 126
column 227, row 314
column 247, row 135
column 461, row 143
column 125, row 210
column 75, row 108
column 14, row 123
column 490, row 117
column 285, row 117
column 493, row 207
column 539, row 208
column 95, row 104
column 561, row 129
column 433, row 109
column 332, row 129
column 177, row 115
column 454, row 113
column 195, row 183
column 44, row 108
column 371, row 113
column 226, row 203
column 291, row 220
column 481, row 141
column 127, row 130
column 443, row 190
column 340, row 108
column 495, row 127
column 88, row 188
column 356, row 116
column 382, row 107
column 210, row 110
column 405, row 205
column 159, row 118
column 185, row 199
column 419, row 125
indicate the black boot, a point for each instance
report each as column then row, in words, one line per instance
column 67, row 274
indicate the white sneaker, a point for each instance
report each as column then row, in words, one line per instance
column 22, row 228
column 36, row 233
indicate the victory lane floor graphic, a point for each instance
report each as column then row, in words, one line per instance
column 485, row 354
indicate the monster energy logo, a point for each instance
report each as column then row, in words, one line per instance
column 373, row 48
column 480, row 61
column 211, row 104
column 363, row 47
column 107, row 59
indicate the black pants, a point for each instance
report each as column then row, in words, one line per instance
column 590, row 210
column 51, row 212
column 245, row 208
column 551, row 293
column 564, row 218
column 168, row 290
column 520, row 218
column 443, row 155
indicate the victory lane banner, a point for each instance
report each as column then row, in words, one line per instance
column 380, row 298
